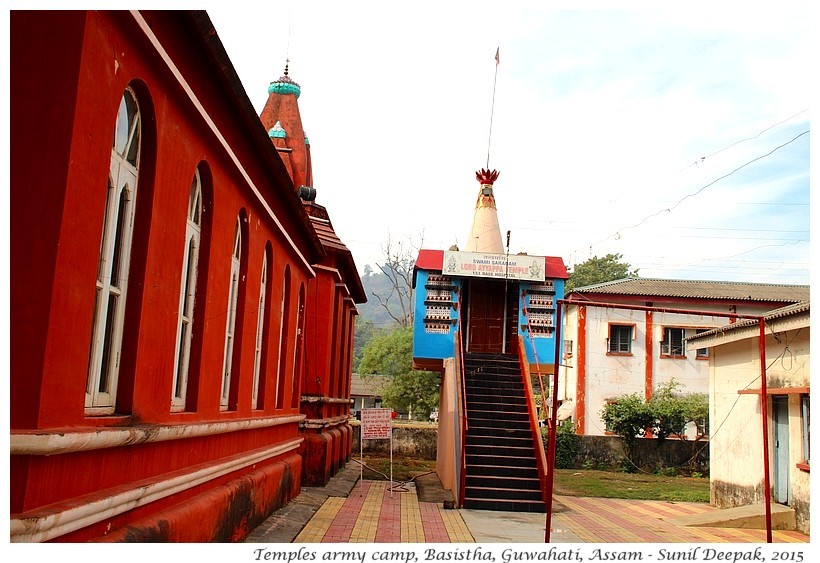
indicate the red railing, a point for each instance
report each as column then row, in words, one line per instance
column 535, row 426
column 537, row 365
column 463, row 418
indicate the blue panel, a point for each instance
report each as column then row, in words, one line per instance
column 435, row 311
column 537, row 318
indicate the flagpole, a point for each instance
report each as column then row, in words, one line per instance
column 492, row 107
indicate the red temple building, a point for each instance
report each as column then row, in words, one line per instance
column 331, row 294
column 182, row 309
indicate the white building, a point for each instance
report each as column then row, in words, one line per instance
column 629, row 336
column 737, row 468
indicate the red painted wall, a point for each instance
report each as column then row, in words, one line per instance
column 69, row 71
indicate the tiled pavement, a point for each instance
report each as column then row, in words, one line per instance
column 599, row 520
column 352, row 511
column 375, row 514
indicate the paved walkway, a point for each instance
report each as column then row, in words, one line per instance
column 352, row 511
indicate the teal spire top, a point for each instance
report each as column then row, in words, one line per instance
column 277, row 131
column 285, row 85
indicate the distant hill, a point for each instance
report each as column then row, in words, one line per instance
column 373, row 311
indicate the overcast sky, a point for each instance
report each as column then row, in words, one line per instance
column 672, row 137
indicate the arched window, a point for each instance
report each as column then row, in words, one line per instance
column 298, row 351
column 115, row 257
column 187, row 299
column 260, row 332
column 284, row 323
column 230, row 328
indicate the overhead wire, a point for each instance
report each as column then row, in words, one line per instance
column 703, row 158
column 617, row 234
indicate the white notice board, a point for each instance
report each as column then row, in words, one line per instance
column 376, row 424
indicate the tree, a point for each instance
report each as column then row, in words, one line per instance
column 397, row 300
column 675, row 411
column 391, row 353
column 364, row 332
column 667, row 413
column 416, row 392
column 628, row 416
column 599, row 270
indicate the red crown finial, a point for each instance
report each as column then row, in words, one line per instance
column 486, row 176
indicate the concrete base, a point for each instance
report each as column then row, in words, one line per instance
column 429, row 489
column 751, row 516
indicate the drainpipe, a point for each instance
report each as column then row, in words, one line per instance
column 764, row 409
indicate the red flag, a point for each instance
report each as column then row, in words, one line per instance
column 496, row 56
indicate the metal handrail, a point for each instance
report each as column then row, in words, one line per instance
column 535, row 426
column 464, row 424
column 537, row 365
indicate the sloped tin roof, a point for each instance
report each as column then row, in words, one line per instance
column 695, row 289
column 773, row 315
column 367, row 386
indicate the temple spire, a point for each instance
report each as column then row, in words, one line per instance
column 283, row 121
column 485, row 235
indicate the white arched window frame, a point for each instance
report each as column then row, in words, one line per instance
column 282, row 345
column 230, row 326
column 260, row 329
column 187, row 299
column 297, row 350
column 114, row 262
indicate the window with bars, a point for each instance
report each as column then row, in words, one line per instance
column 673, row 344
column 620, row 339
column 702, row 353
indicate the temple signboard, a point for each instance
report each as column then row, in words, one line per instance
column 490, row 265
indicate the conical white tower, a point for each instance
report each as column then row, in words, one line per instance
column 485, row 236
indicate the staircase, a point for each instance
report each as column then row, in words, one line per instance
column 501, row 468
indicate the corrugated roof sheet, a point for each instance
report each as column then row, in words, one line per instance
column 367, row 386
column 735, row 291
column 779, row 313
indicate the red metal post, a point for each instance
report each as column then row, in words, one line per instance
column 551, row 445
column 463, row 418
column 764, row 409
column 763, row 395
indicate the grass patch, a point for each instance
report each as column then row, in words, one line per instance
column 636, row 486
column 377, row 467
column 568, row 482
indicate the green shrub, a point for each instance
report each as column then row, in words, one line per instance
column 567, row 445
column 627, row 466
column 667, row 413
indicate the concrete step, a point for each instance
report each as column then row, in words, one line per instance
column 750, row 516
column 508, row 505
